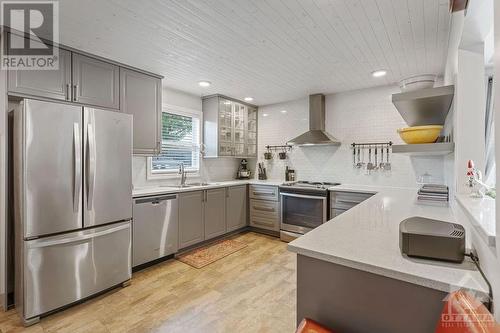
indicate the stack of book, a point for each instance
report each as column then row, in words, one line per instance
column 433, row 192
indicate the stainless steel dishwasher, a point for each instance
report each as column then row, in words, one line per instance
column 155, row 228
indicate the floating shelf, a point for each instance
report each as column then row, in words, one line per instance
column 425, row 149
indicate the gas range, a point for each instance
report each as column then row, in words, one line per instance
column 305, row 205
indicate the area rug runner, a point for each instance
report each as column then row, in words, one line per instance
column 208, row 254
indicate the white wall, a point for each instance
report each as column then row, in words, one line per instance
column 466, row 71
column 469, row 115
column 366, row 115
column 216, row 169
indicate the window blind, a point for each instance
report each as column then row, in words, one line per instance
column 179, row 144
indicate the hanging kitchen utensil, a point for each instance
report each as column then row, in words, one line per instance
column 282, row 154
column 359, row 164
column 268, row 155
column 387, row 165
column 369, row 166
column 382, row 164
column 354, row 156
column 375, row 166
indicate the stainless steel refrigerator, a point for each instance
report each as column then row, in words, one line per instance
column 73, row 204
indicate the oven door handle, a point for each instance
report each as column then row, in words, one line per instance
column 303, row 196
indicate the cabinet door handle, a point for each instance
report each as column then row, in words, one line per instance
column 67, row 92
column 75, row 92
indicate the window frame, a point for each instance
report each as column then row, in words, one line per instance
column 171, row 173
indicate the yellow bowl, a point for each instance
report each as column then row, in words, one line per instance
column 420, row 134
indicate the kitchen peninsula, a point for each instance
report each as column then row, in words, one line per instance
column 352, row 277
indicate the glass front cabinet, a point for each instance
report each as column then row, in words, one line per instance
column 229, row 128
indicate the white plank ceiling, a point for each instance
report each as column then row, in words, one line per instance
column 272, row 50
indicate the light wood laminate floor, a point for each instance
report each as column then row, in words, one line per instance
column 252, row 290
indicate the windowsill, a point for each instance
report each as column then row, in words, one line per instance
column 173, row 175
column 481, row 212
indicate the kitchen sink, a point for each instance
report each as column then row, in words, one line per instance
column 201, row 184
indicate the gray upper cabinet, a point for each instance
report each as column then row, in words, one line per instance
column 95, row 82
column 236, row 207
column 140, row 96
column 191, row 227
column 53, row 84
column 215, row 212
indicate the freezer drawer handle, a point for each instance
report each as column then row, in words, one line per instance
column 77, row 167
column 40, row 244
column 91, row 163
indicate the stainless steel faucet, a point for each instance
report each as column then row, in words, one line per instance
column 182, row 172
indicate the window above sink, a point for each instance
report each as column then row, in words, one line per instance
column 181, row 135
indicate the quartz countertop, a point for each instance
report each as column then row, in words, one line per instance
column 168, row 189
column 366, row 237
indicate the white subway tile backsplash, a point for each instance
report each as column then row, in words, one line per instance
column 366, row 115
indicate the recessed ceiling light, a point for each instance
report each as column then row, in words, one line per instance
column 204, row 83
column 248, row 99
column 283, row 111
column 265, row 115
column 379, row 73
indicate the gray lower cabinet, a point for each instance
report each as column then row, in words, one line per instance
column 264, row 207
column 140, row 96
column 155, row 228
column 236, row 207
column 95, row 82
column 191, row 227
column 265, row 214
column 54, row 84
column 215, row 212
column 342, row 201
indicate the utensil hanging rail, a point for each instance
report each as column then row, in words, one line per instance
column 372, row 144
column 283, row 147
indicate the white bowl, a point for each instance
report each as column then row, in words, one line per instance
column 417, row 82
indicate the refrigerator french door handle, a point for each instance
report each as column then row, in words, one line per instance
column 77, row 173
column 91, row 162
column 46, row 243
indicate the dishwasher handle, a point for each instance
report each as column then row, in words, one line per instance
column 156, row 200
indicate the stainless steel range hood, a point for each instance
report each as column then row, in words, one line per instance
column 316, row 135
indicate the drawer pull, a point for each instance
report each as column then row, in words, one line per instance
column 264, row 209
column 262, row 223
column 263, row 193
column 349, row 201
